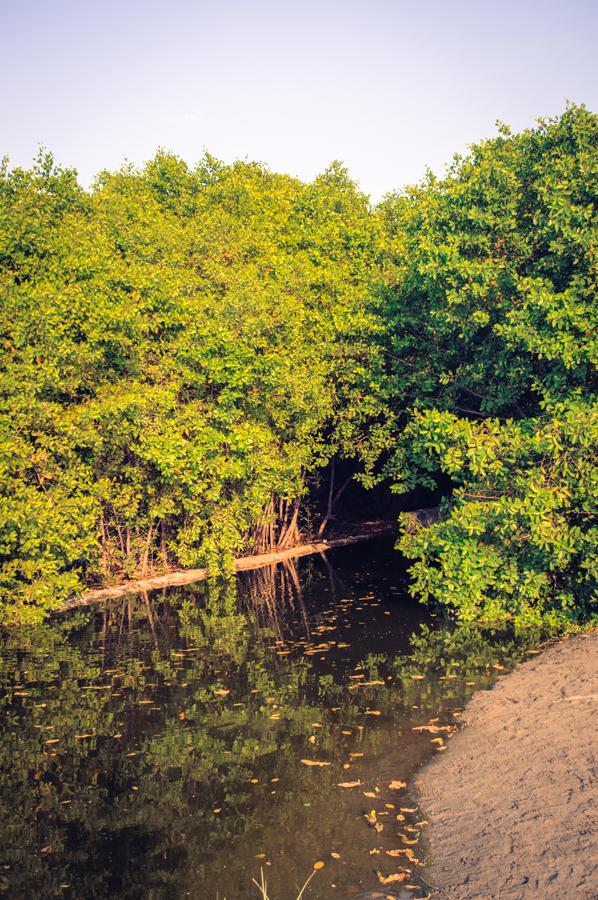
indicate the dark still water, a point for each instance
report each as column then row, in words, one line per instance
column 186, row 743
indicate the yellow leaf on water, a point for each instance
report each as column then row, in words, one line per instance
column 373, row 712
column 314, row 762
column 433, row 729
column 335, row 855
column 408, row 808
column 390, row 879
column 319, row 864
column 349, row 784
column 356, row 754
column 369, row 794
column 397, row 785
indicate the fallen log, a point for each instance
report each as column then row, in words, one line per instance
column 242, row 564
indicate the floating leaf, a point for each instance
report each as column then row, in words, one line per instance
column 397, row 785
column 349, row 784
column 433, row 729
column 319, row 864
column 314, row 762
column 390, row 879
column 335, row 855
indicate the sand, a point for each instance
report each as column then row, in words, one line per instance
column 512, row 802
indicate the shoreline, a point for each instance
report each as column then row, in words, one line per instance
column 512, row 803
column 180, row 577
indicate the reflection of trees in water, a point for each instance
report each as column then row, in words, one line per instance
column 271, row 597
column 274, row 594
column 187, row 683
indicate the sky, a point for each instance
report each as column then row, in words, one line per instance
column 388, row 87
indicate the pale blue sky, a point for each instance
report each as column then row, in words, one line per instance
column 387, row 86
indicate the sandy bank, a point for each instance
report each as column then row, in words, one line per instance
column 512, row 803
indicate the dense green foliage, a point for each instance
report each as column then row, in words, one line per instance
column 497, row 277
column 183, row 350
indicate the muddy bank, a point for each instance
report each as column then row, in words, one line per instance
column 512, row 803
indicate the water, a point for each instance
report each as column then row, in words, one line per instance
column 183, row 744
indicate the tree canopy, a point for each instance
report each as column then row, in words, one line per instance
column 185, row 349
